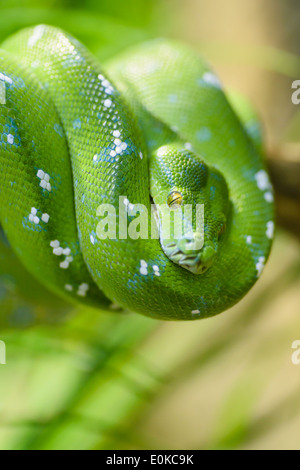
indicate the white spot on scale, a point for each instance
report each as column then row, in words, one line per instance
column 82, row 290
column 68, row 287
column 195, row 312
column 106, row 83
column 33, row 218
column 141, row 156
column 109, row 90
column 58, row 251
column 260, row 265
column 64, row 265
column 144, row 271
column 156, row 270
column 143, row 267
column 107, row 103
column 45, row 180
column 10, row 139
column 249, row 239
column 92, row 239
column 211, row 79
column 45, row 218
column 269, row 197
column 117, row 134
column 120, row 145
column 40, row 174
column 270, row 229
column 263, row 181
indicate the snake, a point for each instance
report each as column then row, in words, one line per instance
column 99, row 163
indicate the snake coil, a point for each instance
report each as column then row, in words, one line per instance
column 159, row 131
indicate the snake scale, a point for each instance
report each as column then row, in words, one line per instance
column 149, row 132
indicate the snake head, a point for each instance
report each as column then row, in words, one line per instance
column 191, row 205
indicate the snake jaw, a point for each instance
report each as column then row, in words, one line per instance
column 197, row 262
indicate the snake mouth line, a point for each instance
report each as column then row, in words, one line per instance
column 192, row 262
column 196, row 263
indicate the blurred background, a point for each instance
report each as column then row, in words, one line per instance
column 83, row 379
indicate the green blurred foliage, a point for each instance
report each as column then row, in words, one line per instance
column 104, row 26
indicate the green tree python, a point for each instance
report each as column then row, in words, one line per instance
column 149, row 133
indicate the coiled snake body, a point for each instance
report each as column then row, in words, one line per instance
column 161, row 132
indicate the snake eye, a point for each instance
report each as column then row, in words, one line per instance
column 175, row 200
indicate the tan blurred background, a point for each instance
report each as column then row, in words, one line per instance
column 245, row 40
